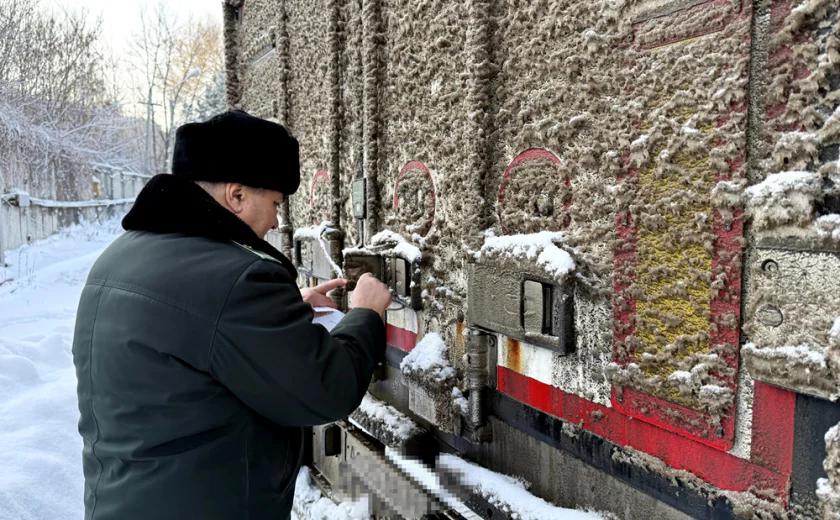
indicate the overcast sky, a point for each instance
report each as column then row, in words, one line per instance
column 121, row 24
column 121, row 18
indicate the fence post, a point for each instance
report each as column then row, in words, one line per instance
column 2, row 240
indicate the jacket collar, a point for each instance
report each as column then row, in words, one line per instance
column 170, row 204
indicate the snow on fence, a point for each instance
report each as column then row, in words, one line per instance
column 24, row 219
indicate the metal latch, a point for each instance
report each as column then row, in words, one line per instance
column 522, row 306
column 547, row 314
column 17, row 198
column 400, row 275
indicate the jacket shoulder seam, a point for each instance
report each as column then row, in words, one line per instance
column 258, row 253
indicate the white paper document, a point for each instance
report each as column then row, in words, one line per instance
column 327, row 316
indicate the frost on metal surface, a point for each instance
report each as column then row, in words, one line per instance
column 744, row 504
column 431, row 380
column 828, row 489
column 320, row 197
column 413, row 202
column 294, row 88
column 384, row 422
column 789, row 312
column 802, row 127
column 676, row 254
column 785, row 198
column 800, row 366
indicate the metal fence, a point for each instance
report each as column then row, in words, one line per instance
column 24, row 219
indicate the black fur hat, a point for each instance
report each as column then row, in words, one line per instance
column 235, row 146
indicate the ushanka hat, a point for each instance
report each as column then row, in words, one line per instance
column 237, row 147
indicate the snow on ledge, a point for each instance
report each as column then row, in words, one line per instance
column 778, row 184
column 399, row 244
column 310, row 504
column 540, row 247
column 507, row 493
column 311, row 232
column 94, row 203
column 799, row 354
column 23, row 199
column 384, row 422
column 783, row 199
column 428, row 360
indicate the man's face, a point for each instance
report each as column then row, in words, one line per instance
column 258, row 208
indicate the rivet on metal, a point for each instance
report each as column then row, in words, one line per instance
column 770, row 316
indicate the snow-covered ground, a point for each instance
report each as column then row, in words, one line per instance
column 41, row 475
column 40, row 448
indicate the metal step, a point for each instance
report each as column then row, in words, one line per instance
column 361, row 468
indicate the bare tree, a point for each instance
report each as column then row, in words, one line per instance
column 174, row 63
column 53, row 57
column 57, row 112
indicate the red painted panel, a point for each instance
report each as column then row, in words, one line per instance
column 676, row 418
column 726, row 260
column 402, row 339
column 716, row 467
column 773, row 412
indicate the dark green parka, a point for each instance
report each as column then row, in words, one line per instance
column 198, row 364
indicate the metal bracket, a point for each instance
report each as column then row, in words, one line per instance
column 522, row 306
column 400, row 275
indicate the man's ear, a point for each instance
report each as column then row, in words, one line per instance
column 235, row 196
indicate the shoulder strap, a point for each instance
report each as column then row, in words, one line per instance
column 264, row 256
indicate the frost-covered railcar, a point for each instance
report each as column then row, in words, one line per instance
column 612, row 228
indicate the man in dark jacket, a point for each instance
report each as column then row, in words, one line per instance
column 197, row 360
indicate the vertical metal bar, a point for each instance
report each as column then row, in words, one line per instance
column 756, row 139
column 358, row 121
column 476, row 376
column 231, row 36
column 370, row 108
column 335, row 236
column 479, row 94
column 286, row 228
column 335, row 113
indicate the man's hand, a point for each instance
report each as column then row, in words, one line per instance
column 372, row 294
column 317, row 296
